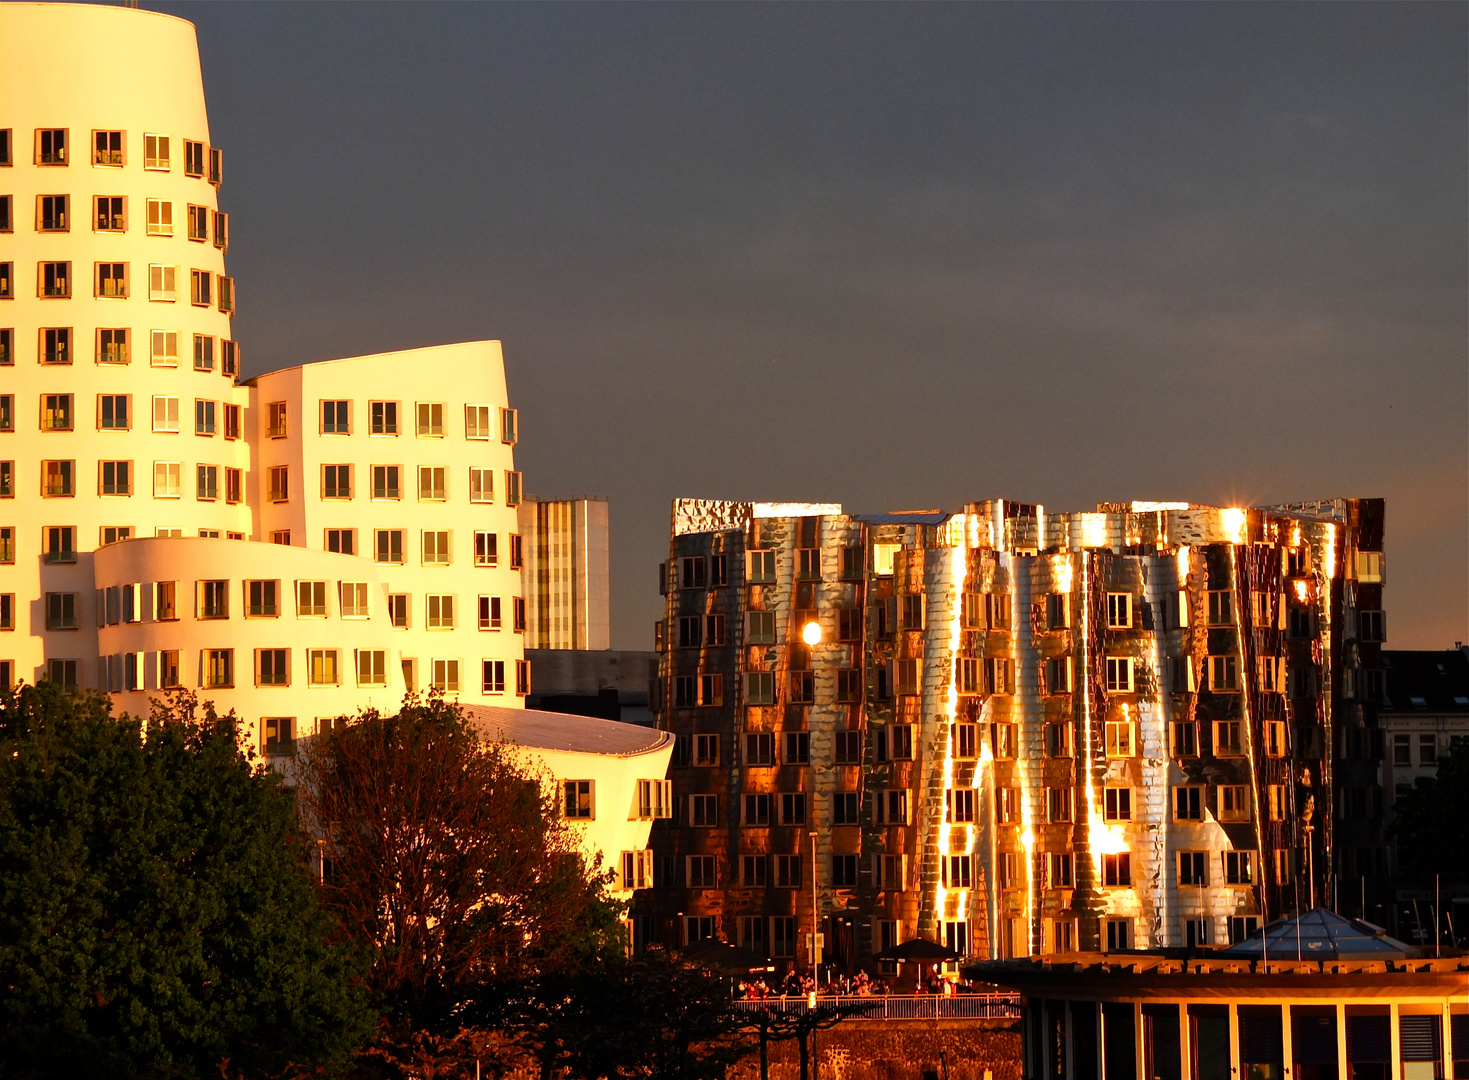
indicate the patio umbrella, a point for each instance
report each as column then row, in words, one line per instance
column 722, row 955
column 918, row 950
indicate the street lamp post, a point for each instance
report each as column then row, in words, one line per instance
column 815, row 918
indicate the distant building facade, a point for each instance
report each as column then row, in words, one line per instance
column 566, row 578
column 1017, row 732
column 613, row 683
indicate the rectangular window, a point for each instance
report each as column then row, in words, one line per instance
column 1234, row 803
column 844, row 808
column 844, row 871
column 109, row 213
column 701, row 875
column 1238, row 868
column 1221, row 608
column 1193, row 868
column 7, row 281
column 398, row 610
column 229, row 352
column 435, row 548
column 206, row 484
column 372, row 667
column 522, row 677
column 759, row 749
column 430, row 415
column 272, row 667
column 761, row 567
column 198, row 222
column 276, row 420
column 1117, row 870
column 1223, row 673
column 203, row 352
column 1058, row 611
column 201, row 291
column 492, row 676
column 760, row 627
column 7, row 412
column 1184, row 738
column 1119, row 674
column 116, row 478
column 335, row 418
column 890, row 807
column 517, row 552
column 156, row 152
column 352, row 598
column 322, row 664
column 262, row 599
column 204, row 415
column 481, row 485
column 512, row 488
column 56, row 412
column 788, row 876
column 60, row 544
column 1058, row 804
column 1119, row 610
column 1117, row 804
column 165, row 596
column 107, row 148
column 7, row 347
column 798, row 748
column 111, row 280
column 388, row 546
column 1058, row 739
column 509, row 426
column 759, row 688
column 51, row 215
column 477, row 422
column 440, row 612
column 1227, row 738
column 7, row 545
column 960, row 806
column 311, row 599
column 1121, row 739
column 212, row 600
column 164, row 351
column 234, row 486
column 517, row 614
column 58, row 479
column 793, row 808
column 1188, row 804
column 336, row 481
column 385, row 481
column 384, row 417
column 279, row 483
column 489, row 613
column 112, row 346
column 56, row 345
column 757, row 811
column 216, row 165
column 278, row 735
column 999, row 675
column 61, row 611
column 432, row 483
column 704, row 811
column 218, row 667
column 54, row 280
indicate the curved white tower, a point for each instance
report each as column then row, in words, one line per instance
column 319, row 539
column 120, row 414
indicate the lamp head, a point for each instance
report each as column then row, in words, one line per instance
column 811, row 633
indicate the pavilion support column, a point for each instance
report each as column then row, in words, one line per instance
column 1139, row 1043
column 1186, row 1065
column 1069, row 1041
column 1287, row 1051
column 1233, row 1039
column 1394, row 1035
column 1445, row 1046
column 1341, row 1042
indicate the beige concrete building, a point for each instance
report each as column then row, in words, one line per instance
column 295, row 547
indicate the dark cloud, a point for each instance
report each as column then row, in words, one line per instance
column 887, row 254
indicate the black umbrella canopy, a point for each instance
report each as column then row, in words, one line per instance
column 721, row 954
column 919, row 950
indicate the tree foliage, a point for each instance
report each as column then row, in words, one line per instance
column 449, row 863
column 1429, row 819
column 156, row 913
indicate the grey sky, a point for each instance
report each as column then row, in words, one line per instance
column 887, row 255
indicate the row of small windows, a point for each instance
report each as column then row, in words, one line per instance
column 335, row 418
column 162, row 670
column 338, row 482
column 109, row 149
column 264, row 598
column 59, row 480
column 114, row 412
column 113, row 280
column 110, row 215
column 892, row 873
column 59, row 542
column 113, row 346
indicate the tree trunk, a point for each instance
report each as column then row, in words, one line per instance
column 764, row 1047
column 805, row 1055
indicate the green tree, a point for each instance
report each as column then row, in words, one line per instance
column 1429, row 819
column 449, row 863
column 157, row 916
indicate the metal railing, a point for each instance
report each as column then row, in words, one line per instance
column 899, row 1006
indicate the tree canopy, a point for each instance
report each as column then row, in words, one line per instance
column 1429, row 819
column 157, row 912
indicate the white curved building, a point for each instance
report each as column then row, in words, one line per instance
column 295, row 546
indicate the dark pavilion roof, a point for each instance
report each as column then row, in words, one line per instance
column 1320, row 934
